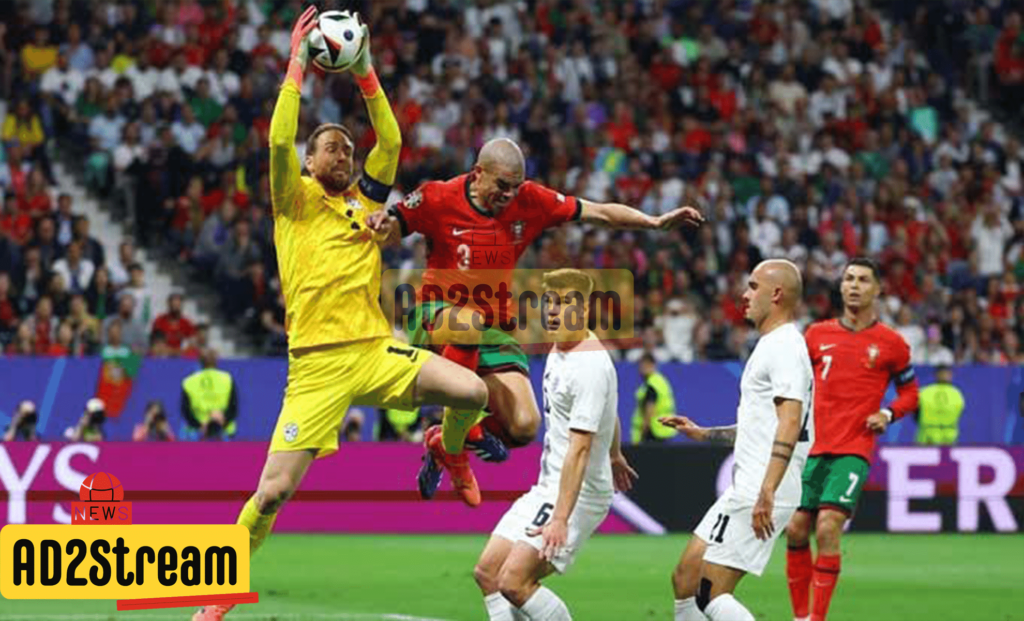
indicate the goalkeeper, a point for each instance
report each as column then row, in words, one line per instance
column 341, row 349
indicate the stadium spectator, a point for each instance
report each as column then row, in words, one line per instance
column 23, row 425
column 941, row 404
column 137, row 290
column 804, row 131
column 90, row 425
column 209, row 399
column 100, row 296
column 76, row 270
column 154, row 426
column 132, row 331
column 654, row 398
column 175, row 327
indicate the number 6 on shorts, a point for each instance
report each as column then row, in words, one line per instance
column 544, row 514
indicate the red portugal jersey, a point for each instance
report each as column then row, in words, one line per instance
column 851, row 373
column 462, row 240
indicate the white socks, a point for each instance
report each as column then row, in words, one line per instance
column 686, row 610
column 498, row 608
column 545, row 606
column 725, row 607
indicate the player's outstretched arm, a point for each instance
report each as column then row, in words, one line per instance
column 285, row 171
column 618, row 216
column 715, row 435
column 556, row 531
column 382, row 162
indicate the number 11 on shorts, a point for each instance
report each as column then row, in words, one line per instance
column 720, row 524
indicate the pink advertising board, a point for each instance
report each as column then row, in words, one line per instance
column 364, row 488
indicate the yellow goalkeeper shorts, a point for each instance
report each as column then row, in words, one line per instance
column 323, row 384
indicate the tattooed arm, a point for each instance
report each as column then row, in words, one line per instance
column 714, row 435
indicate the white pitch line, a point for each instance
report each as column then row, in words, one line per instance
column 321, row 616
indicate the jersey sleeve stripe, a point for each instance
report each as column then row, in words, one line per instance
column 578, row 213
column 373, row 189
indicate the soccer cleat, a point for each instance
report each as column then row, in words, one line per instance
column 486, row 445
column 429, row 477
column 212, row 613
column 461, row 474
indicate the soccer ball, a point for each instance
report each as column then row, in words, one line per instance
column 336, row 41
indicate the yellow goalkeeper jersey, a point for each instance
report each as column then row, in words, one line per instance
column 329, row 261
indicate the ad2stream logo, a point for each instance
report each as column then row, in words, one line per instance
column 103, row 555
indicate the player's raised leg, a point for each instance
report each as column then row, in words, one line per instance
column 715, row 593
column 799, row 563
column 519, row 583
column 448, row 383
column 514, row 407
column 686, row 580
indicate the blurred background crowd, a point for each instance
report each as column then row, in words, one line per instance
column 815, row 131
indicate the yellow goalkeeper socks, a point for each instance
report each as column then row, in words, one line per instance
column 259, row 525
column 454, row 427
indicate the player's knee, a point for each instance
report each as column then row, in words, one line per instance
column 682, row 582
column 486, row 578
column 523, row 430
column 273, row 494
column 513, row 586
column 798, row 533
column 830, row 529
column 476, row 394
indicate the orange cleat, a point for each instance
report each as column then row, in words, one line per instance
column 458, row 469
column 212, row 613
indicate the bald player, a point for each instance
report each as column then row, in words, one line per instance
column 772, row 436
column 484, row 220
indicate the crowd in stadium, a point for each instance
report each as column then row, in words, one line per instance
column 813, row 131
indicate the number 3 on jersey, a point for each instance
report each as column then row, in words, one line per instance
column 465, row 254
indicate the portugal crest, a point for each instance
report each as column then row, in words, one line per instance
column 517, row 231
column 872, row 355
column 413, row 200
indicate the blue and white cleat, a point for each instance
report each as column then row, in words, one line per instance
column 486, row 445
column 429, row 476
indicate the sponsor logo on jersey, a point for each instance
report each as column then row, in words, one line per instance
column 826, row 347
column 457, row 232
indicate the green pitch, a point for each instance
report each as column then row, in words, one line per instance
column 616, row 578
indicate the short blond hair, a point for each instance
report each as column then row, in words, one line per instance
column 569, row 279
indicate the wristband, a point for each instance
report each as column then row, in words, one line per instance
column 368, row 84
column 295, row 72
column 888, row 413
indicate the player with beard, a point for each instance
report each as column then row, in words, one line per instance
column 855, row 358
